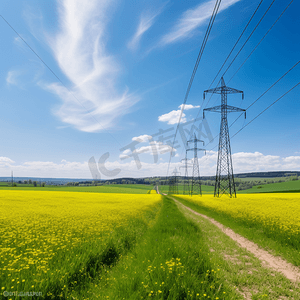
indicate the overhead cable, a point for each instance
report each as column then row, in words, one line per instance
column 212, row 19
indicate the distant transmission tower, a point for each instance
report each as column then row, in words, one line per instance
column 224, row 176
column 173, row 183
column 186, row 185
column 196, row 182
column 175, row 173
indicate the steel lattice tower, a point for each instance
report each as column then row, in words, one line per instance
column 224, row 176
column 175, row 173
column 186, row 185
column 173, row 183
column 196, row 182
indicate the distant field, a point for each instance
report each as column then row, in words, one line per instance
column 206, row 189
column 113, row 188
column 288, row 186
column 279, row 187
column 267, row 179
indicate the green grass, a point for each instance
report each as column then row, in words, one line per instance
column 276, row 244
column 113, row 188
column 170, row 262
column 280, row 187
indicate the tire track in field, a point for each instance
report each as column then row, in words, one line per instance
column 268, row 260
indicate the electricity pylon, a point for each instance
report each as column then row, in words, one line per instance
column 173, row 183
column 186, row 185
column 175, row 173
column 224, row 176
column 196, row 182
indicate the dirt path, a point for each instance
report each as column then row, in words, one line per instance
column 276, row 263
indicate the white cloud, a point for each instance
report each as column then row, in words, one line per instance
column 242, row 162
column 142, row 138
column 154, row 148
column 48, row 169
column 173, row 116
column 192, row 19
column 256, row 162
column 6, row 160
column 146, row 21
column 94, row 103
column 188, row 106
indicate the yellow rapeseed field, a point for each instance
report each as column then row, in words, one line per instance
column 278, row 213
column 46, row 235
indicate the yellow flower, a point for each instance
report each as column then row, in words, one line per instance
column 55, row 223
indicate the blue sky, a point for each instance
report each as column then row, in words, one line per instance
column 122, row 71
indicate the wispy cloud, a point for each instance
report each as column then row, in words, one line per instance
column 147, row 19
column 6, row 161
column 11, row 78
column 192, row 19
column 173, row 116
column 94, row 102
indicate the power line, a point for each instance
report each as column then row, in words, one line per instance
column 266, row 108
column 237, row 42
column 267, row 90
column 212, row 19
column 247, row 59
column 245, row 42
column 48, row 67
column 257, row 100
column 226, row 60
column 260, row 113
column 248, row 37
column 261, row 40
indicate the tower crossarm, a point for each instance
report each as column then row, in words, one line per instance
column 198, row 149
column 187, row 166
column 195, row 140
column 228, row 108
column 223, row 89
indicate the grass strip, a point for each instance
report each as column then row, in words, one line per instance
column 171, row 262
column 252, row 231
